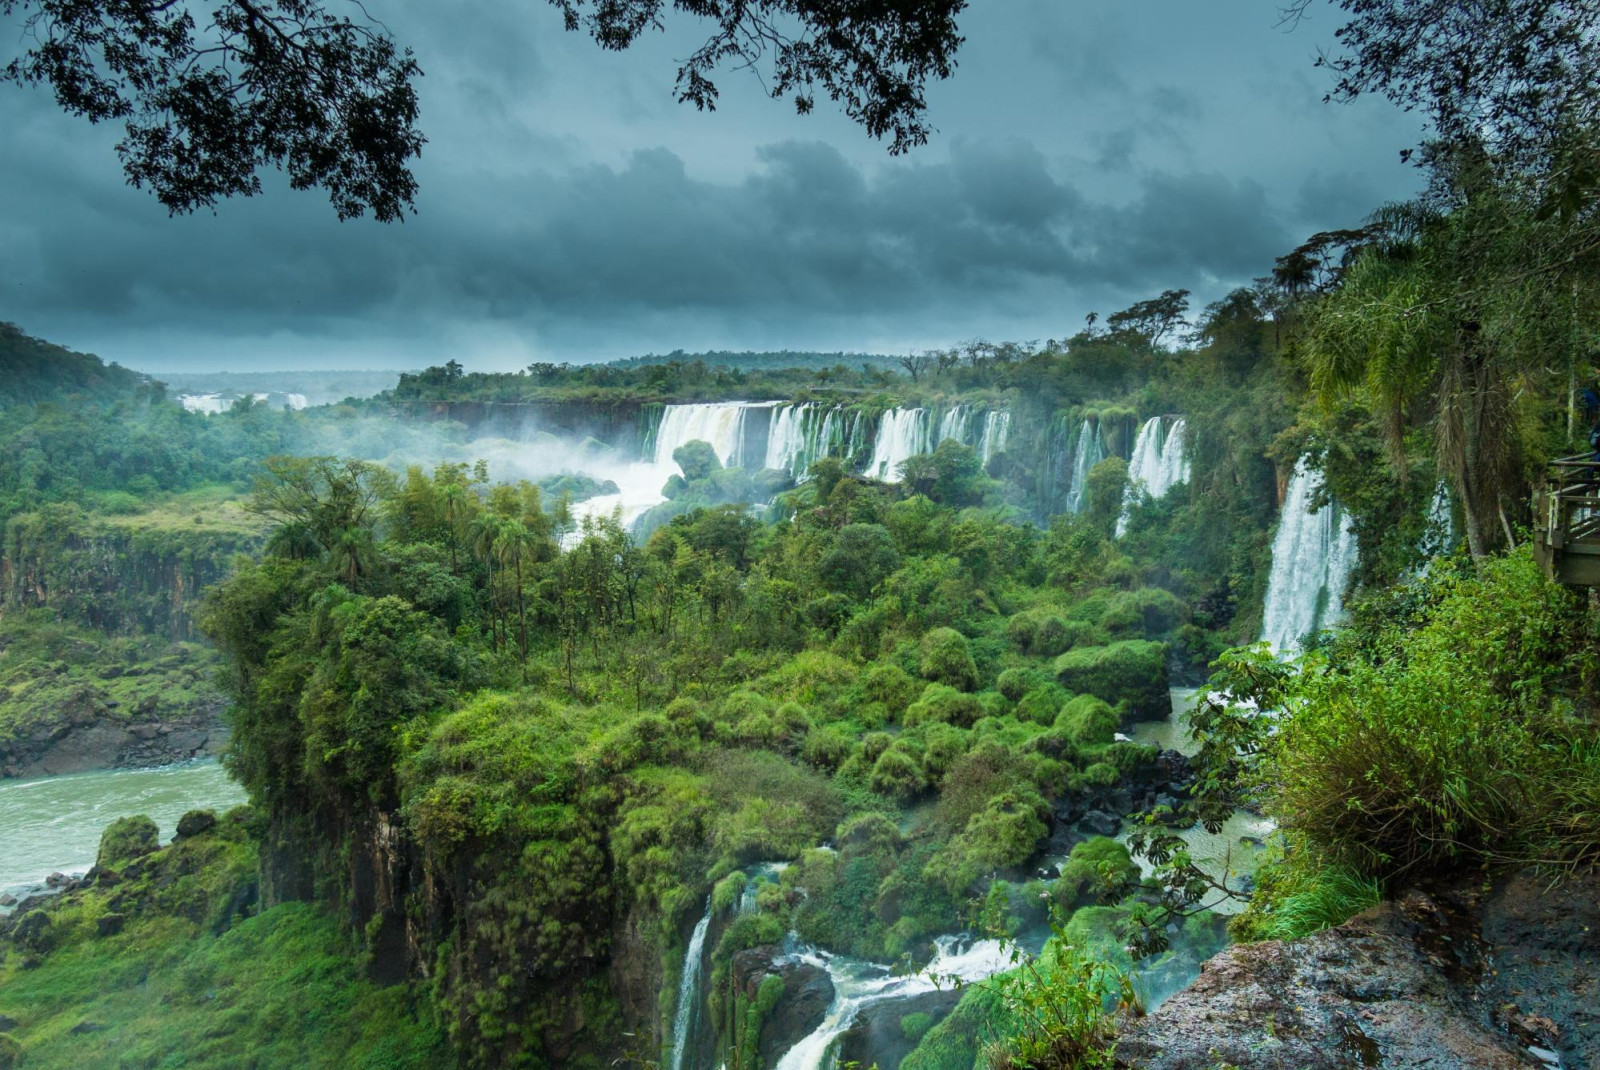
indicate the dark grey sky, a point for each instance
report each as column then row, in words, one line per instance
column 1089, row 153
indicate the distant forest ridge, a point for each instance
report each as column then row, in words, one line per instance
column 749, row 360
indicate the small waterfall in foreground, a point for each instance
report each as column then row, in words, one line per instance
column 689, row 989
column 720, row 423
column 1159, row 462
column 857, row 984
column 996, row 430
column 902, row 434
column 1313, row 555
column 1088, row 452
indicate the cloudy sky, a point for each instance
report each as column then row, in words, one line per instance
column 1089, row 153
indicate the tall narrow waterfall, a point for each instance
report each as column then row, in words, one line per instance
column 902, row 434
column 689, row 990
column 996, row 430
column 719, row 423
column 1439, row 537
column 1313, row 555
column 1159, row 462
column 953, row 424
column 1086, row 454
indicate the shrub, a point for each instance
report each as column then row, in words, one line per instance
column 891, row 685
column 1456, row 747
column 1295, row 900
column 826, row 747
column 946, row 659
column 1134, row 670
column 1101, row 775
column 1052, row 637
column 1147, row 611
column 943, row 704
column 943, row 745
column 1098, row 870
column 896, row 774
column 1087, row 722
column 1004, row 833
column 1014, row 683
column 126, row 839
column 915, row 1026
column 1043, row 703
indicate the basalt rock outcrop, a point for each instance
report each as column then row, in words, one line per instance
column 800, row 1006
column 1489, row 975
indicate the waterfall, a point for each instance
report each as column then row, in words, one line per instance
column 996, row 430
column 721, row 423
column 857, row 984
column 1313, row 555
column 788, row 437
column 1439, row 537
column 902, row 434
column 295, row 401
column 1159, row 462
column 1086, row 454
column 953, row 425
column 689, row 989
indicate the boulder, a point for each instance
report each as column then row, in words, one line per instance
column 1100, row 823
column 1471, row 977
column 195, row 822
column 878, row 1038
column 803, row 1003
column 127, row 838
column 109, row 924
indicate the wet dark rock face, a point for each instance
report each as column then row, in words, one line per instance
column 92, row 737
column 1478, row 976
column 807, row 994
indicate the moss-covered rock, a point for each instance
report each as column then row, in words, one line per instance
column 126, row 839
column 1132, row 671
column 946, row 659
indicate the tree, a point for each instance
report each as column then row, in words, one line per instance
column 1520, row 77
column 1151, row 320
column 211, row 95
column 915, row 364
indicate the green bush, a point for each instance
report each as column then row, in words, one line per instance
column 1042, row 704
column 1015, row 683
column 1133, row 670
column 946, row 659
column 897, row 774
column 1087, row 722
column 1098, row 870
column 827, row 747
column 915, row 1026
column 1052, row 637
column 1455, row 743
column 1148, row 611
column 891, row 685
column 943, row 704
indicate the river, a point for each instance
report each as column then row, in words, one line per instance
column 53, row 824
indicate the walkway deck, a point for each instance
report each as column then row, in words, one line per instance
column 1566, row 513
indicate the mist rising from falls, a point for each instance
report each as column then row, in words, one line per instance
column 1313, row 555
column 1160, row 461
column 689, row 989
column 216, row 403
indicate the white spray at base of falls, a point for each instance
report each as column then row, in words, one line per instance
column 858, row 984
column 1313, row 555
column 689, row 989
column 1160, row 461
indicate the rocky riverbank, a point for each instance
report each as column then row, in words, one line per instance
column 1481, row 975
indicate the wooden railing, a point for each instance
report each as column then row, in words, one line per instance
column 1566, row 515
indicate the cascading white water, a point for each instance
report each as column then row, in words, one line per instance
column 213, row 404
column 953, row 425
column 788, row 438
column 295, row 401
column 902, row 434
column 1159, row 462
column 720, row 423
column 689, row 989
column 996, row 430
column 857, row 984
column 1313, row 555
column 1086, row 454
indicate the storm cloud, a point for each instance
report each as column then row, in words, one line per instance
column 571, row 211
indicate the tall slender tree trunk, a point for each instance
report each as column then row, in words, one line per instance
column 522, row 619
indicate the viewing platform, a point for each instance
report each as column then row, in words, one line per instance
column 1566, row 515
